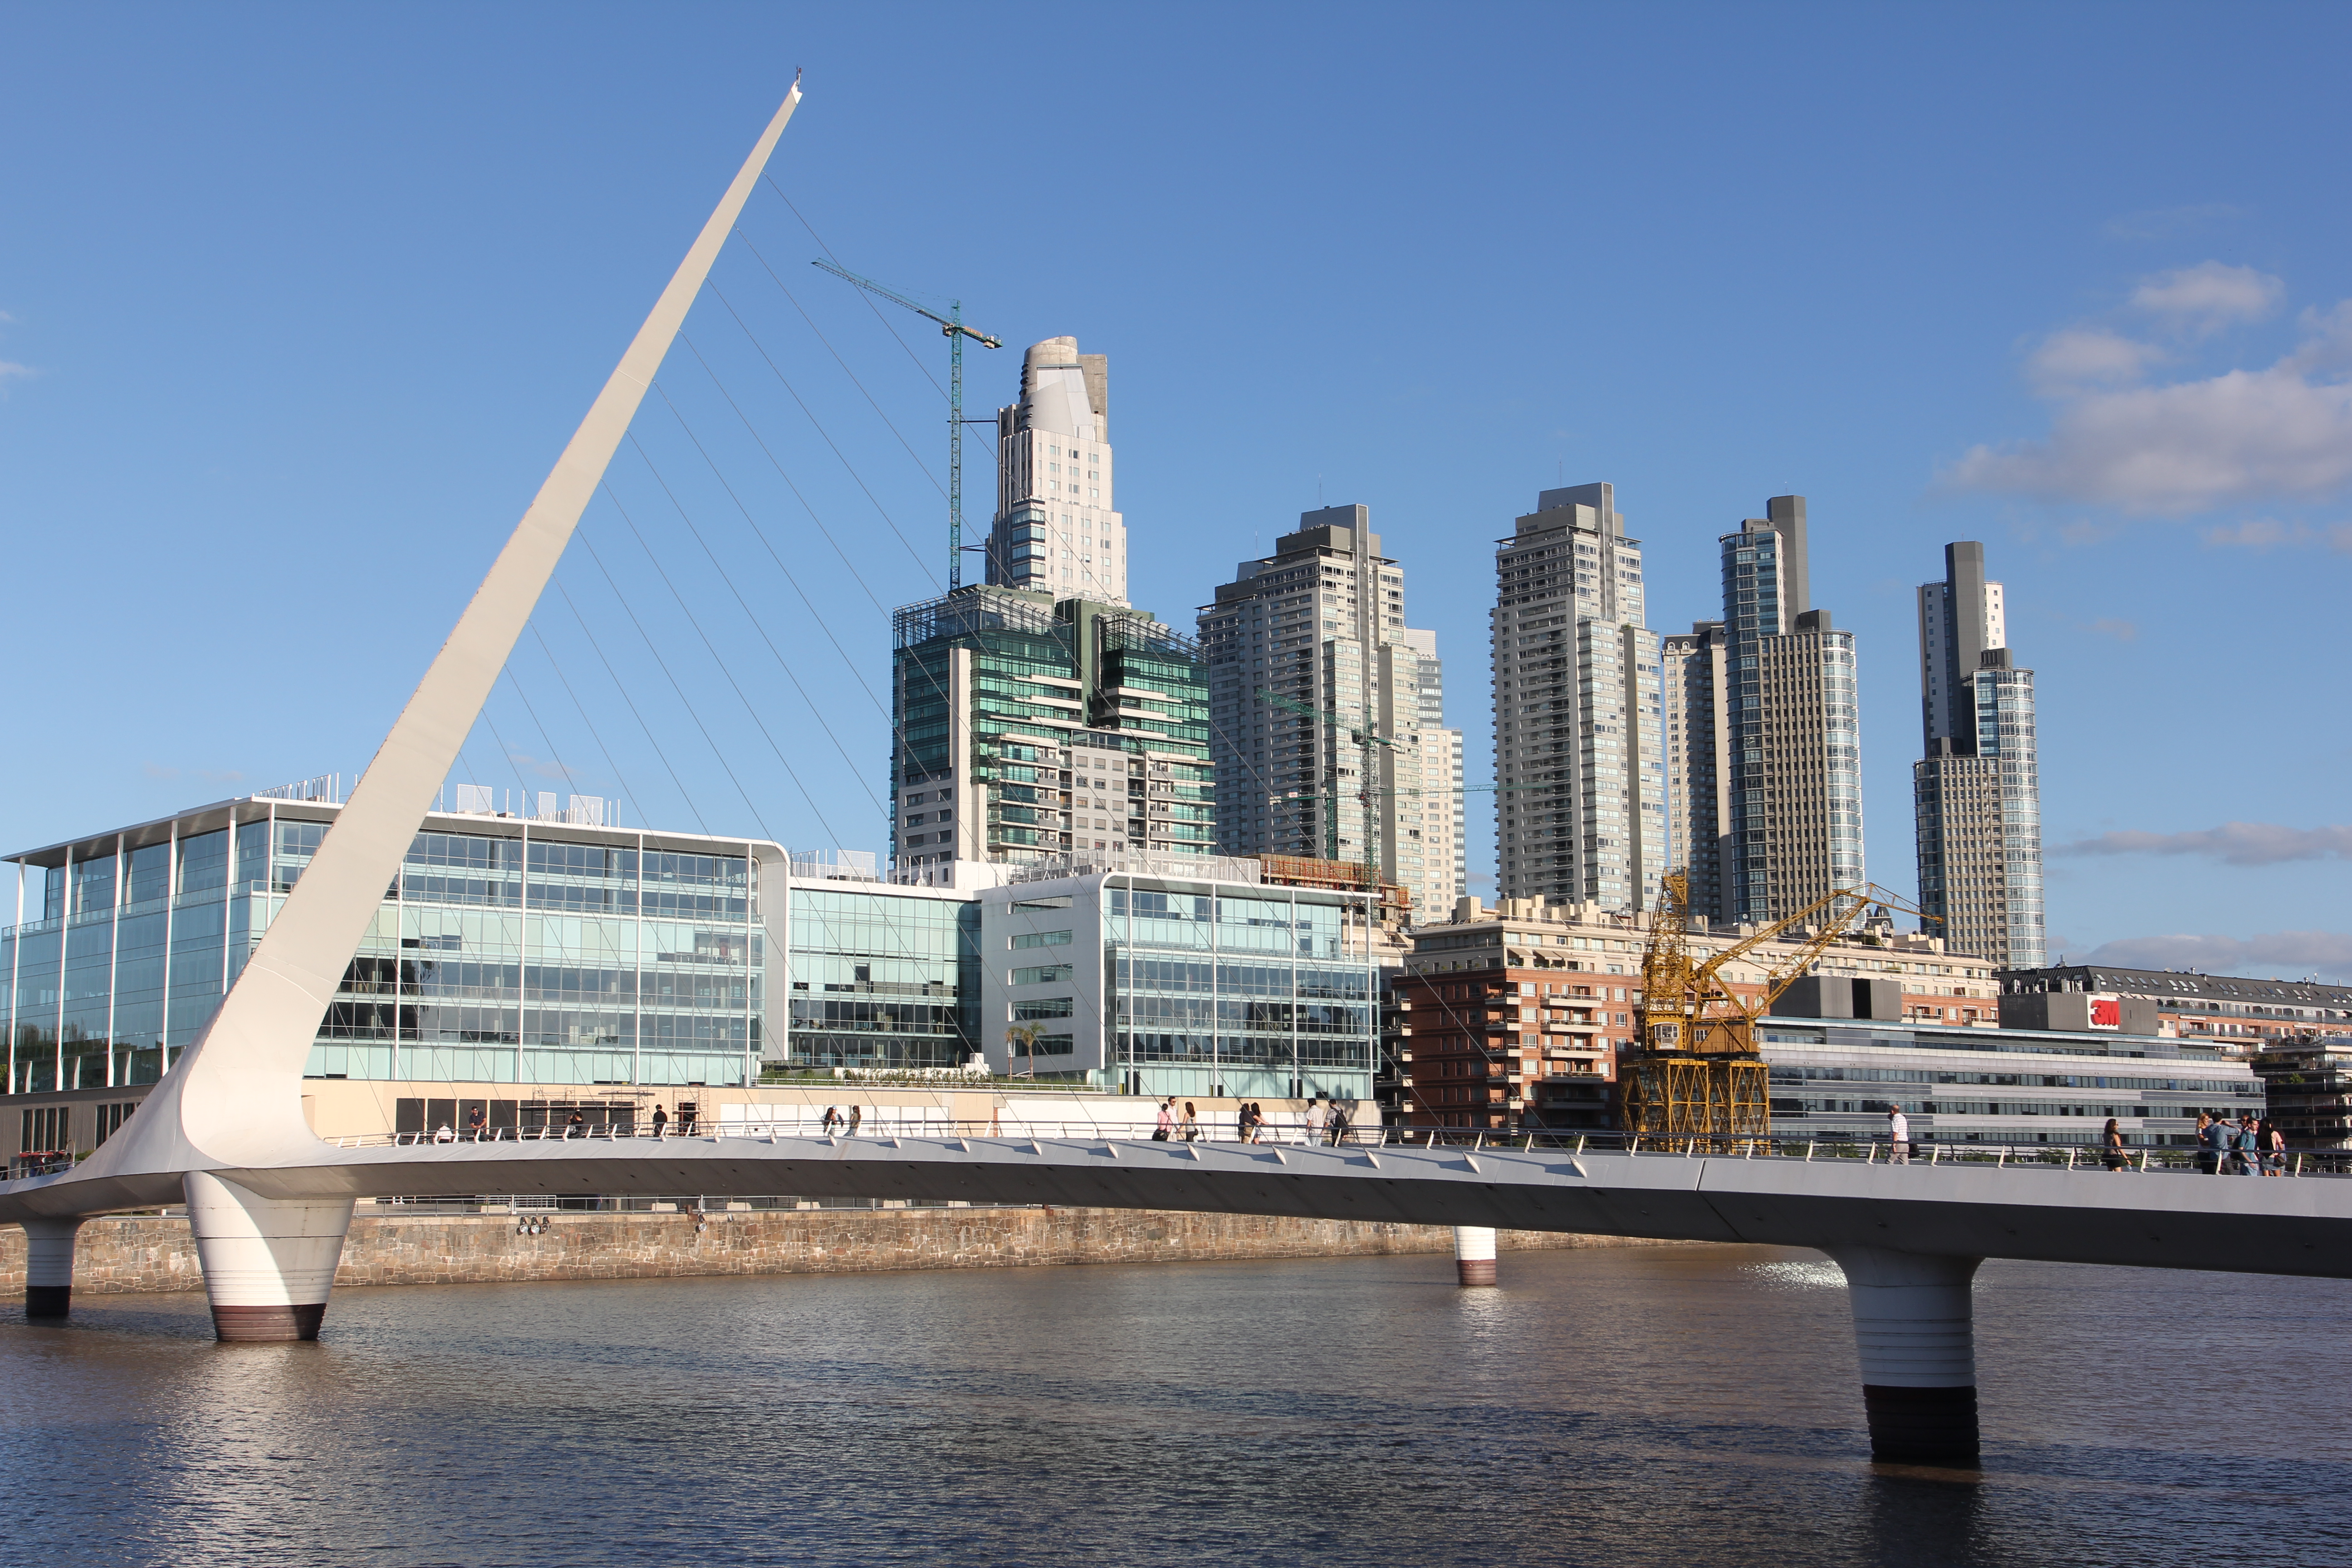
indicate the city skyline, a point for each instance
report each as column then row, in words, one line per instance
column 2175, row 288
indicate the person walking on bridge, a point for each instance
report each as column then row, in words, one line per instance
column 832, row 1120
column 2112, row 1154
column 1165, row 1122
column 1898, row 1136
column 857, row 1115
column 1191, row 1122
column 661, row 1122
column 1316, row 1118
column 2246, row 1150
column 2212, row 1144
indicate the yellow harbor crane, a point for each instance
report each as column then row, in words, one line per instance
column 1696, row 1071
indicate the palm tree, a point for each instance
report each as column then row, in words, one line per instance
column 1024, row 1038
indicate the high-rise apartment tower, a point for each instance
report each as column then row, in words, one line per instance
column 1308, row 650
column 1444, row 843
column 1580, row 779
column 1056, row 529
column 1763, row 708
column 1976, row 793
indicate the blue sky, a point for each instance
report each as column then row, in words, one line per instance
column 301, row 303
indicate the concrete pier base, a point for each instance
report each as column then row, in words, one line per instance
column 268, row 1263
column 1914, row 1326
column 1474, row 1254
column 48, row 1267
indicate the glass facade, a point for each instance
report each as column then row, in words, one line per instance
column 1030, row 729
column 1234, row 994
column 525, row 953
column 882, row 978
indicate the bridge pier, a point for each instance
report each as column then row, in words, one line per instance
column 1474, row 1254
column 48, row 1267
column 1914, row 1326
column 268, row 1263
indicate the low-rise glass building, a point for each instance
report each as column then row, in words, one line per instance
column 1144, row 974
column 1834, row 1080
column 541, row 947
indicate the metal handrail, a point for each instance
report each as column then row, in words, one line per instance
column 911, row 1122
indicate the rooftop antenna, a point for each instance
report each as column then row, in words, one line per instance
column 952, row 327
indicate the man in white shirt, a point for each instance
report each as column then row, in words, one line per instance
column 1316, row 1116
column 1898, row 1134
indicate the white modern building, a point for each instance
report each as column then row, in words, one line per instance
column 1307, row 653
column 1057, row 528
column 1579, row 775
column 1149, row 974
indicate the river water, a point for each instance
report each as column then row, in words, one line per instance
column 1685, row 1405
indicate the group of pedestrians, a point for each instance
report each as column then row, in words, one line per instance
column 2245, row 1147
column 1325, row 1122
column 835, row 1122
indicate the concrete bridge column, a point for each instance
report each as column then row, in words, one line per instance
column 1474, row 1254
column 268, row 1262
column 48, row 1267
column 1912, row 1325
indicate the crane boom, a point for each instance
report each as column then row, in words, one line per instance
column 952, row 326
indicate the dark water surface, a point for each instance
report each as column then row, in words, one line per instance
column 1687, row 1406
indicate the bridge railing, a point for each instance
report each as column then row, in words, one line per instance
column 1081, row 1121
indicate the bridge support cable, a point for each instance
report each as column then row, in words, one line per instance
column 619, row 685
column 48, row 1267
column 814, row 615
column 635, row 808
column 768, row 452
column 683, row 700
column 736, row 685
column 821, row 245
column 1474, row 1255
column 794, row 299
column 1914, row 1327
column 268, row 1263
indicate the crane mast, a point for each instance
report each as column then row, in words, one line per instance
column 952, row 326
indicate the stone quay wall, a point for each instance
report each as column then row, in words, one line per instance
column 124, row 1253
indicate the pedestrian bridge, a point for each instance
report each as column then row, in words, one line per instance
column 1909, row 1237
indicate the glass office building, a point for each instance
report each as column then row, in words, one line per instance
column 546, row 947
column 1164, row 984
column 882, row 977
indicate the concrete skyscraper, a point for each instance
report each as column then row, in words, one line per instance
column 1977, row 791
column 1318, row 628
column 1056, row 527
column 1762, row 705
column 1580, row 797
column 1444, row 842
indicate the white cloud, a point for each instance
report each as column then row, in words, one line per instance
column 2269, row 534
column 2191, row 445
column 2198, row 301
column 2122, row 631
column 2292, row 954
column 2233, row 843
column 2079, row 357
column 10, row 370
column 2182, row 446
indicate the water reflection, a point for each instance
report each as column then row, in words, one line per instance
column 1669, row 1405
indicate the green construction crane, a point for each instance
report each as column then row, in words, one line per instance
column 950, row 326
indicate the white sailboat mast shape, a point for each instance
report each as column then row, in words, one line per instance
column 233, row 1101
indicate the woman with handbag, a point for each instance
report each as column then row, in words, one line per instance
column 2116, row 1160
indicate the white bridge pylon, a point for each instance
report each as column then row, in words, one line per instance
column 233, row 1101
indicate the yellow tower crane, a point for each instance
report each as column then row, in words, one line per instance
column 1696, row 1071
